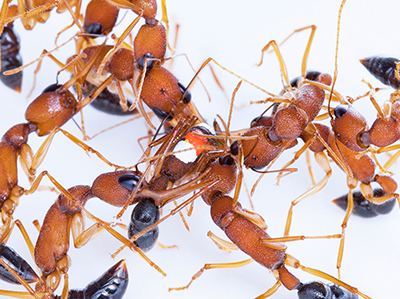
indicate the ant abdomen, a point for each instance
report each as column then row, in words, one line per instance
column 18, row 264
column 319, row 290
column 10, row 58
column 383, row 69
column 363, row 207
column 143, row 215
column 112, row 284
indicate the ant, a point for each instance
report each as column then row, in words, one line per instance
column 48, row 112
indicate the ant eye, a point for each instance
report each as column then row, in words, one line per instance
column 188, row 94
column 51, row 88
column 341, row 110
column 226, row 161
column 203, row 128
column 294, row 82
column 128, row 181
column 254, row 122
column 162, row 114
column 95, row 28
column 149, row 63
column 234, row 148
column 312, row 75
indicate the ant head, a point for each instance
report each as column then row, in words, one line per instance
column 264, row 121
column 116, row 187
column 51, row 109
column 348, row 126
column 151, row 40
column 100, row 17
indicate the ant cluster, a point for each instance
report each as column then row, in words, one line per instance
column 136, row 186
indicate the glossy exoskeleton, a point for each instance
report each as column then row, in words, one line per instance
column 365, row 208
column 311, row 75
column 18, row 264
column 383, row 69
column 319, row 290
column 143, row 215
column 112, row 285
column 10, row 58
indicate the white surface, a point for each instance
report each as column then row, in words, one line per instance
column 234, row 35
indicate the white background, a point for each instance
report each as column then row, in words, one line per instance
column 233, row 33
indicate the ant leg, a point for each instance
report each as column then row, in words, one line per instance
column 28, row 15
column 213, row 266
column 295, row 158
column 307, row 51
column 28, row 241
column 122, row 102
column 74, row 15
column 351, row 183
column 308, row 160
column 272, row 290
column 337, row 46
column 88, row 149
column 381, row 168
column 17, row 276
column 165, row 20
column 30, row 162
column 117, row 125
column 388, row 185
column 323, row 162
column 280, row 59
column 221, row 243
column 208, row 60
column 275, row 242
column 102, row 225
column 43, row 55
column 166, row 246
